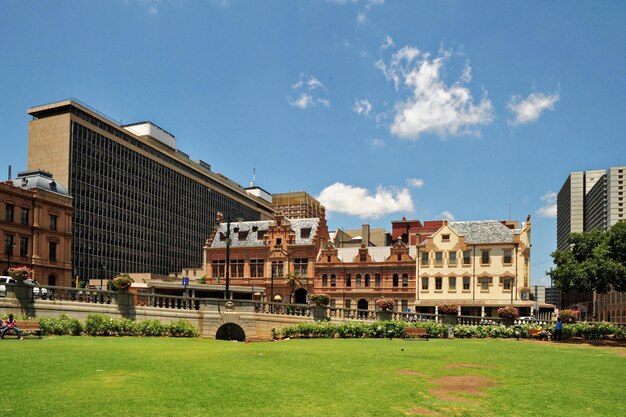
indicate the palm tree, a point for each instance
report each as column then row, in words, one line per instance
column 293, row 279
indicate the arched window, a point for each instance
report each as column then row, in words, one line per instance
column 405, row 280
column 358, row 280
column 324, row 280
column 395, row 280
column 367, row 280
column 333, row 280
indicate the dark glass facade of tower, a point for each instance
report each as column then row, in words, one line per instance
column 137, row 207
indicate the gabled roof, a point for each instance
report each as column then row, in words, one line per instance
column 378, row 253
column 253, row 227
column 485, row 231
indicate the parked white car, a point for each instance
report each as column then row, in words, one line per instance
column 37, row 290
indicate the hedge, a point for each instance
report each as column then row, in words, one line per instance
column 435, row 330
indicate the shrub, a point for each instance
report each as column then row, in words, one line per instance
column 320, row 299
column 508, row 312
column 62, row 325
column 98, row 325
column 448, row 309
column 152, row 328
column 183, row 328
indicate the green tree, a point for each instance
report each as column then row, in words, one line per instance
column 292, row 279
column 596, row 261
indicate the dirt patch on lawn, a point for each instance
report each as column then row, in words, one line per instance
column 467, row 365
column 453, row 388
column 408, row 372
column 423, row 412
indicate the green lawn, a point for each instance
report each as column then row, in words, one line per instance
column 89, row 376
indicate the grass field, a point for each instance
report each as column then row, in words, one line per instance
column 89, row 376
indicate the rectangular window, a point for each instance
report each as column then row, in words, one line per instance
column 506, row 283
column 236, row 268
column 324, row 280
column 484, row 257
column 467, row 257
column 466, row 283
column 348, row 280
column 242, row 235
column 452, row 283
column 425, row 283
column 218, row 268
column 53, row 222
column 378, row 280
column 438, row 283
column 405, row 306
column 25, row 216
column 277, row 269
column 348, row 304
column 438, row 258
column 333, row 280
column 445, row 238
column 256, row 268
column 333, row 303
column 52, row 251
column 507, row 257
column 23, row 246
column 452, row 258
column 301, row 267
column 367, row 280
column 305, row 233
column 8, row 212
column 484, row 283
column 358, row 280
column 405, row 280
column 425, row 259
column 8, row 244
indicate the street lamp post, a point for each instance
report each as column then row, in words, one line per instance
column 9, row 251
column 103, row 268
column 227, row 289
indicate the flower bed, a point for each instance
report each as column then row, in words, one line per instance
column 508, row 312
column 448, row 309
column 385, row 304
column 21, row 273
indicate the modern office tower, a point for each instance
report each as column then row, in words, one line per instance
column 571, row 203
column 140, row 204
column 592, row 200
column 297, row 205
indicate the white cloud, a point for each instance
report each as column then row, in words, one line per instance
column 363, row 107
column 432, row 105
column 549, row 207
column 308, row 92
column 446, row 215
column 388, row 43
column 377, row 143
column 357, row 201
column 529, row 109
column 415, row 182
column 361, row 17
column 151, row 6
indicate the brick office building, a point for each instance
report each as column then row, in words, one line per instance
column 36, row 227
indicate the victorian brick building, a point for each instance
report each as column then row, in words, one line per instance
column 265, row 253
column 36, row 227
column 356, row 277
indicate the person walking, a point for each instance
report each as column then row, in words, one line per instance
column 10, row 325
column 558, row 329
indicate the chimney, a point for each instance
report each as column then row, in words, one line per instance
column 365, row 234
column 9, row 172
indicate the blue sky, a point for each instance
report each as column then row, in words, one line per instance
column 382, row 109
